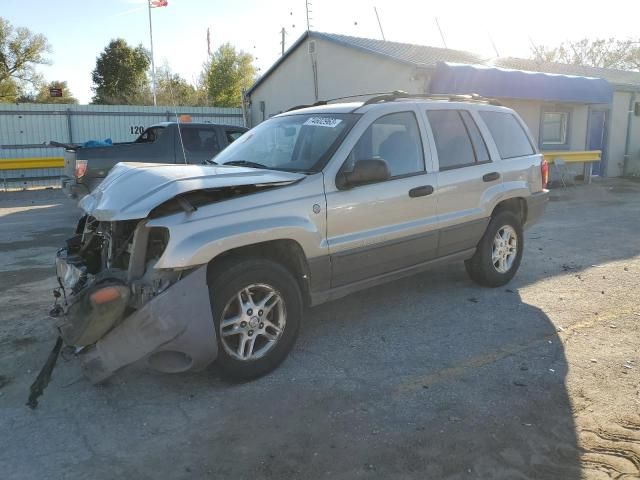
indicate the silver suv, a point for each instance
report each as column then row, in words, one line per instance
column 180, row 265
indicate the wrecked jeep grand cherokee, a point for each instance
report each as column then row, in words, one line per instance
column 178, row 266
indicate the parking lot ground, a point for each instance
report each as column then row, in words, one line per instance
column 430, row 377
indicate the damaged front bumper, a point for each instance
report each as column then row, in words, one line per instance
column 172, row 331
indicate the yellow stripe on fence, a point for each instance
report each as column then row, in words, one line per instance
column 573, row 157
column 31, row 163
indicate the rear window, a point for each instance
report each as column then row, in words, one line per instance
column 510, row 137
column 204, row 140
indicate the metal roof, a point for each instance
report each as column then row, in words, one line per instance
column 409, row 54
column 424, row 56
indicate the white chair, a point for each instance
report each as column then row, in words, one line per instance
column 561, row 167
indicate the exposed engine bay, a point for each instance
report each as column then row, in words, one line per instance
column 106, row 270
column 110, row 304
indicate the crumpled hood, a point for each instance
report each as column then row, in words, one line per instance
column 132, row 190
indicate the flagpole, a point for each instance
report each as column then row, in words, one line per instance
column 153, row 65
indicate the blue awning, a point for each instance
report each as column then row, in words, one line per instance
column 454, row 78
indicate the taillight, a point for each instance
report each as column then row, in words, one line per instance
column 81, row 168
column 544, row 171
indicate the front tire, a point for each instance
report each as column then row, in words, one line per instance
column 257, row 309
column 499, row 252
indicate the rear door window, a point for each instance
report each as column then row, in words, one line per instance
column 479, row 147
column 453, row 143
column 511, row 139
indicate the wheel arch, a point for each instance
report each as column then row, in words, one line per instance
column 517, row 205
column 287, row 252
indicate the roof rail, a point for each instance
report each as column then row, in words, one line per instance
column 399, row 94
column 317, row 104
column 381, row 97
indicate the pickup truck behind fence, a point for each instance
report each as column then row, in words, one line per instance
column 193, row 143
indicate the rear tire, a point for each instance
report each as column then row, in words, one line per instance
column 499, row 252
column 257, row 309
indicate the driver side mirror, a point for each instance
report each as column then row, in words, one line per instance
column 364, row 171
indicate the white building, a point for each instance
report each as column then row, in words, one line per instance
column 569, row 108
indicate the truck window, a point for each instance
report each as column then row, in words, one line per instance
column 200, row 140
column 150, row 135
column 510, row 137
column 233, row 135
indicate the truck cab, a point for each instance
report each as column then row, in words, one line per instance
column 193, row 143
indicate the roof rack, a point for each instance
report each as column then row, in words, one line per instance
column 381, row 97
column 317, row 104
column 399, row 94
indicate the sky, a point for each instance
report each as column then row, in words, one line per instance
column 78, row 30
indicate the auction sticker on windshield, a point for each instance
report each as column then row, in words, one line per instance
column 323, row 122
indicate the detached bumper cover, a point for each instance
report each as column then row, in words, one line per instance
column 178, row 322
column 536, row 205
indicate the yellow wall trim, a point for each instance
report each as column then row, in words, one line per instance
column 573, row 156
column 31, row 163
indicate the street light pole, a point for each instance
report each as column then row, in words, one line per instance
column 153, row 65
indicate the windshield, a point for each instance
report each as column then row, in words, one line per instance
column 300, row 143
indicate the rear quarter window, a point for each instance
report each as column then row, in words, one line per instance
column 507, row 132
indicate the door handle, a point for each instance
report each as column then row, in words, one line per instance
column 490, row 177
column 422, row 191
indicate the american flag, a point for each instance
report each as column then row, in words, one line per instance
column 158, row 3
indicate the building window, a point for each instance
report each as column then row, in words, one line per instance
column 555, row 127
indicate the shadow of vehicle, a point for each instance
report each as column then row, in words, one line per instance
column 425, row 378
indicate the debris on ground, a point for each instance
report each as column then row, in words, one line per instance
column 41, row 382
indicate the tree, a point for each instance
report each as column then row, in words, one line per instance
column 226, row 74
column 20, row 52
column 120, row 76
column 44, row 95
column 172, row 89
column 599, row 52
column 9, row 91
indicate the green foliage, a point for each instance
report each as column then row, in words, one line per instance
column 599, row 52
column 172, row 89
column 9, row 91
column 20, row 52
column 226, row 74
column 120, row 76
column 44, row 96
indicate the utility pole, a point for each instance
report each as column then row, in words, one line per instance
column 283, row 32
column 308, row 10
column 379, row 24
column 153, row 64
column 208, row 43
column 441, row 35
